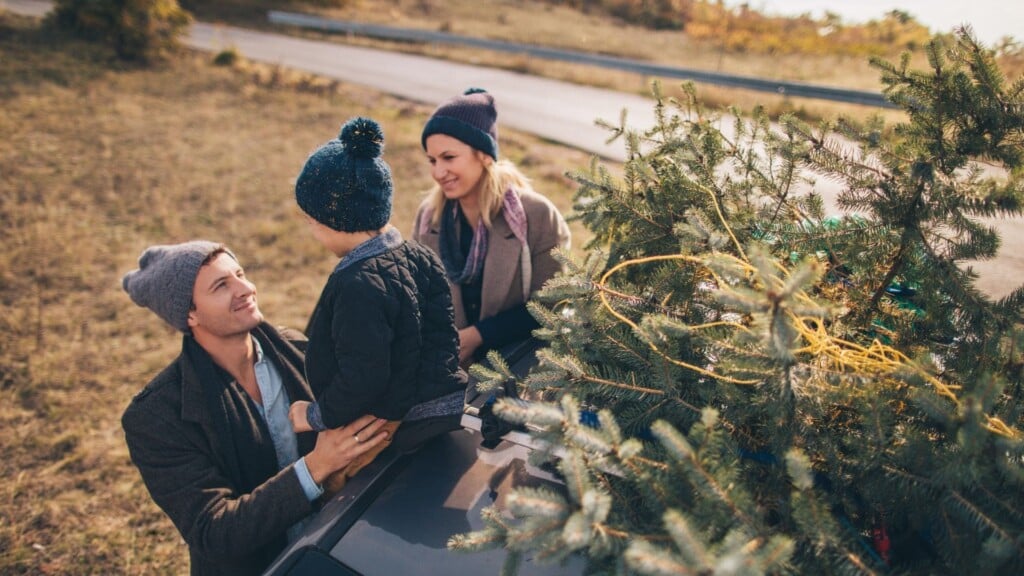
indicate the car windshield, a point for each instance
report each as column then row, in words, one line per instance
column 441, row 493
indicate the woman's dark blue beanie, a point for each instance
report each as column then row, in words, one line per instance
column 345, row 184
column 470, row 118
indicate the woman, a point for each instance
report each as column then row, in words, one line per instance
column 493, row 232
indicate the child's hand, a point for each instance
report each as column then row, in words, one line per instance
column 297, row 415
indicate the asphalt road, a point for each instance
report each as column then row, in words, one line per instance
column 559, row 111
column 795, row 89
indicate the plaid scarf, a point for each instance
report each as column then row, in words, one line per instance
column 459, row 267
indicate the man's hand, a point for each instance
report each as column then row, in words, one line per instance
column 336, row 448
column 297, row 415
column 469, row 340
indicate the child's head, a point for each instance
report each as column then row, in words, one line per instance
column 345, row 184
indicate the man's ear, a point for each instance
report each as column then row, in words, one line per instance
column 193, row 320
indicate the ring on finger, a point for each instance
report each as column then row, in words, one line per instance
column 356, row 436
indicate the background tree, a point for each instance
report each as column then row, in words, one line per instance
column 139, row 30
column 738, row 383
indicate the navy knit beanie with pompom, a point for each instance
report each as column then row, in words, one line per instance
column 470, row 118
column 345, row 184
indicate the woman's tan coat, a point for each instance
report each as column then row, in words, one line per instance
column 503, row 272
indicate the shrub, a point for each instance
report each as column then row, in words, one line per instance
column 227, row 57
column 137, row 30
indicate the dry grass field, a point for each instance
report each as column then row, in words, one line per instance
column 98, row 161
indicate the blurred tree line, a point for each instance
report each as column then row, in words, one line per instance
column 744, row 29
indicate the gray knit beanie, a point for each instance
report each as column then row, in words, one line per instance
column 345, row 184
column 470, row 118
column 166, row 277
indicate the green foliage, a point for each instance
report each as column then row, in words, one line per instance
column 745, row 385
column 137, row 30
column 227, row 57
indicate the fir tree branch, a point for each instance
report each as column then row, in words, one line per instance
column 641, row 216
column 621, row 386
column 622, row 346
column 745, row 351
column 686, row 404
column 894, row 268
column 1001, row 502
column 624, row 535
column 667, row 434
column 980, row 515
column 633, row 325
column 521, row 538
column 962, row 290
column 724, row 222
column 911, row 476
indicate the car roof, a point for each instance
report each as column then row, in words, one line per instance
column 396, row 516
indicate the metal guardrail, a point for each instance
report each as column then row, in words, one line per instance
column 795, row 89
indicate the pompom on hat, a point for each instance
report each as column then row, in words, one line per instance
column 345, row 184
column 166, row 278
column 470, row 118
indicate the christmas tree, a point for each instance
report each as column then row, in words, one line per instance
column 740, row 383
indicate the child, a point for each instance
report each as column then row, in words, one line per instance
column 382, row 337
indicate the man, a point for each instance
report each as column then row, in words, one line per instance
column 210, row 434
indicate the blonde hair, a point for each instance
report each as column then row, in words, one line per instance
column 500, row 176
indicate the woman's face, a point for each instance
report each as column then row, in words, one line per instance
column 457, row 167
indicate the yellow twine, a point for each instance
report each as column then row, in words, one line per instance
column 602, row 293
column 878, row 358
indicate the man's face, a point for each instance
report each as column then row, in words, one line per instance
column 224, row 301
